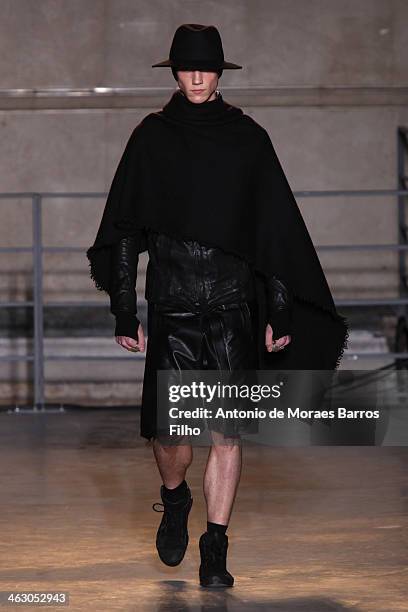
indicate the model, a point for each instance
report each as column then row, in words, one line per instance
column 233, row 280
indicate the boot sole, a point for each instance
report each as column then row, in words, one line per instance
column 215, row 584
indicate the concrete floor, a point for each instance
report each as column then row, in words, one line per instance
column 313, row 529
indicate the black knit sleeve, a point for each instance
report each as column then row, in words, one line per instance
column 123, row 301
column 279, row 305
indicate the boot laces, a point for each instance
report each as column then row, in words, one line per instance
column 158, row 504
column 173, row 517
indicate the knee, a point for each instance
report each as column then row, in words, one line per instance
column 226, row 445
column 180, row 454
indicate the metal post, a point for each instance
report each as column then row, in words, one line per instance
column 401, row 331
column 402, row 150
column 38, row 304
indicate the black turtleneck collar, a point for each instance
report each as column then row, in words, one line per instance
column 210, row 112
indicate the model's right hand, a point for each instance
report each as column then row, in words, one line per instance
column 275, row 344
column 130, row 344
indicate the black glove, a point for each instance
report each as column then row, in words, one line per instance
column 279, row 307
column 124, row 262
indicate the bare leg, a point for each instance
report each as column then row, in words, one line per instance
column 221, row 477
column 173, row 462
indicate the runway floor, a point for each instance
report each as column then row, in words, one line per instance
column 313, row 529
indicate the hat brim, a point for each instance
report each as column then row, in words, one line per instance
column 168, row 63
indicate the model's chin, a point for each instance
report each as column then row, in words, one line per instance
column 197, row 96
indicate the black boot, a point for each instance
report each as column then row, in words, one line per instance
column 213, row 550
column 172, row 535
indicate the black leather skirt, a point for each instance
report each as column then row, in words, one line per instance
column 220, row 338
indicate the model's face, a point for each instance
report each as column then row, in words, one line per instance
column 197, row 85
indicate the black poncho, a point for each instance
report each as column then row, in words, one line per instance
column 209, row 172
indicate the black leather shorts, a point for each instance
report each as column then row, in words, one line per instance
column 223, row 338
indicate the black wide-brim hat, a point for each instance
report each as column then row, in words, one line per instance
column 196, row 47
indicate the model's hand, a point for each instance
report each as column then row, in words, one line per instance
column 272, row 344
column 130, row 344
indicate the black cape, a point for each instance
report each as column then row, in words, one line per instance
column 209, row 172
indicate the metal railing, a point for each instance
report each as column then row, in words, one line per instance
column 37, row 249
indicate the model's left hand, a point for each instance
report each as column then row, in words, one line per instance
column 272, row 344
